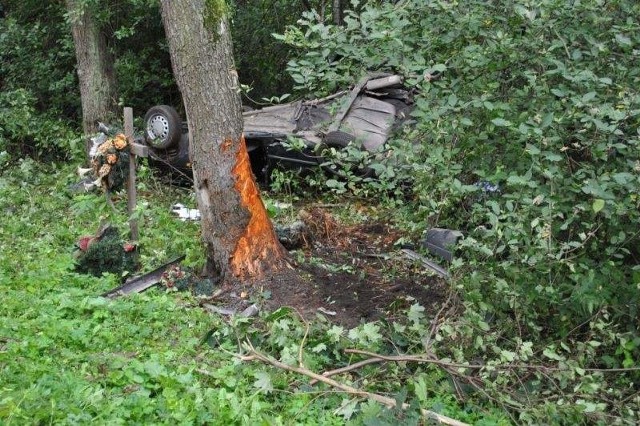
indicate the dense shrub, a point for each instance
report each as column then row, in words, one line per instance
column 37, row 96
column 539, row 100
column 25, row 131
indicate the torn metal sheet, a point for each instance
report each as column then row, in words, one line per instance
column 441, row 241
column 426, row 262
column 139, row 284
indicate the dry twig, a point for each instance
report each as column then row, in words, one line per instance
column 348, row 368
column 389, row 402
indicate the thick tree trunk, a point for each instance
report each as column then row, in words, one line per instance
column 95, row 68
column 239, row 237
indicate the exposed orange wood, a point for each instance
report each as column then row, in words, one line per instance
column 259, row 241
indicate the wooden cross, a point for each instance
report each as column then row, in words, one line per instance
column 135, row 149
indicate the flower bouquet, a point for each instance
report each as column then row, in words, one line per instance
column 111, row 162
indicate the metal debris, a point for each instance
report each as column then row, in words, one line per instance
column 185, row 213
column 139, row 284
column 326, row 311
column 441, row 241
column 426, row 262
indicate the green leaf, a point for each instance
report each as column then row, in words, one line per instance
column 598, row 204
column 263, row 381
column 416, row 313
column 532, row 149
column 438, row 68
column 507, row 355
column 551, row 354
column 319, row 348
column 623, row 40
column 501, row 122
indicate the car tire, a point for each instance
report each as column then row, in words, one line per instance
column 163, row 127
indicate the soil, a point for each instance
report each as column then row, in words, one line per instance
column 349, row 274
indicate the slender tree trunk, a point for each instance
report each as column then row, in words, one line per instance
column 239, row 237
column 95, row 68
column 336, row 9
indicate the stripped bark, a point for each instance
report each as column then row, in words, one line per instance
column 239, row 237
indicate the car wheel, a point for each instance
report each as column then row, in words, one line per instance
column 163, row 127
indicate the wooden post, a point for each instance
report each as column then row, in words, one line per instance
column 131, row 182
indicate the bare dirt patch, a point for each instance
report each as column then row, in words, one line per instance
column 353, row 274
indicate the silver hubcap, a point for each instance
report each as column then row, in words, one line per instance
column 158, row 127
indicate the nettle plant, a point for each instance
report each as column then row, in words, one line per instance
column 538, row 101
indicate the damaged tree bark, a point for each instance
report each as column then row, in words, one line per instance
column 239, row 237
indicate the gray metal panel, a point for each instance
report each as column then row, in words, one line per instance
column 370, row 120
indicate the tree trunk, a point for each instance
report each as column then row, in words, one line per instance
column 239, row 238
column 336, row 9
column 95, row 68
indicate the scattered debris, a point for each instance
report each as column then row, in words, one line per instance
column 327, row 312
column 218, row 310
column 250, row 311
column 441, row 241
column 488, row 187
column 185, row 213
column 426, row 262
column 292, row 236
column 139, row 284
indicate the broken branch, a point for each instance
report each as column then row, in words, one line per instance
column 389, row 402
column 348, row 368
column 427, row 359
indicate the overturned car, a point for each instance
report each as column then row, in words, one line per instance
column 365, row 116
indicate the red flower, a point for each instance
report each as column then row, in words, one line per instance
column 128, row 247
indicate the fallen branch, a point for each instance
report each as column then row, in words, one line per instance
column 429, row 360
column 348, row 368
column 389, row 402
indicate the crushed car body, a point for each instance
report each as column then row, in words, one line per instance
column 364, row 116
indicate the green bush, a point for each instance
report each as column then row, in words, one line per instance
column 540, row 101
column 25, row 131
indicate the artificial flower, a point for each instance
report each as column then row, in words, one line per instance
column 112, row 158
column 104, row 170
column 105, row 147
column 120, row 141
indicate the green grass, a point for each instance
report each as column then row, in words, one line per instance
column 68, row 356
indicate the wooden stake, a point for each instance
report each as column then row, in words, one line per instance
column 131, row 182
